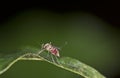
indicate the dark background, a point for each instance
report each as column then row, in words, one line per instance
column 107, row 11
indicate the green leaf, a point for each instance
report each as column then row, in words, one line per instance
column 70, row 64
column 80, row 68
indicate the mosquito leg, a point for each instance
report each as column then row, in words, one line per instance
column 48, row 54
column 41, row 51
column 52, row 58
column 57, row 60
column 42, row 46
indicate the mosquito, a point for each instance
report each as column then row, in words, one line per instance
column 51, row 49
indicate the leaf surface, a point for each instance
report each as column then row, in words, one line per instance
column 67, row 63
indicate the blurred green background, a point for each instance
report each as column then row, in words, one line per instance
column 89, row 39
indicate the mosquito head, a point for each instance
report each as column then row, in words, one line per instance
column 46, row 45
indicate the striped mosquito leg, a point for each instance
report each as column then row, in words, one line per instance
column 57, row 60
column 52, row 58
column 48, row 54
column 41, row 51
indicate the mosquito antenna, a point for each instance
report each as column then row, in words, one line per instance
column 63, row 45
column 38, row 43
column 50, row 43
